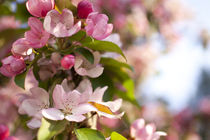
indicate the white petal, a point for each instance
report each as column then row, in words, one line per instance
column 114, row 105
column 30, row 107
column 95, row 72
column 75, row 118
column 34, row 123
column 83, row 109
column 98, row 94
column 53, row 114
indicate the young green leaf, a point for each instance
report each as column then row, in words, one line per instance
column 20, row 79
column 117, row 136
column 86, row 53
column 114, row 63
column 104, row 46
column 50, row 129
column 88, row 134
column 78, row 36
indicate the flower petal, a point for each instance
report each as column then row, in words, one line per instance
column 40, row 94
column 34, row 123
column 53, row 114
column 75, row 118
column 83, row 109
column 58, row 94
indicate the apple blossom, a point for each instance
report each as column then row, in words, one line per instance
column 84, row 68
column 33, row 104
column 97, row 26
column 37, row 36
column 139, row 131
column 39, row 8
column 61, row 25
column 12, row 66
column 68, row 102
column 84, row 8
column 68, row 62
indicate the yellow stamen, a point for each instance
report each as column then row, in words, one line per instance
column 101, row 108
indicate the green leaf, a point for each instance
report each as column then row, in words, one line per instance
column 129, row 93
column 20, row 79
column 104, row 46
column 86, row 53
column 50, row 129
column 117, row 136
column 78, row 36
column 114, row 63
column 88, row 134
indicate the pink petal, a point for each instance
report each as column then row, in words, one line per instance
column 58, row 94
column 53, row 114
column 75, row 118
column 67, row 18
column 72, row 99
column 136, row 126
column 75, row 29
column 20, row 47
column 98, row 94
column 35, row 24
column 39, row 8
column 40, row 94
column 85, row 88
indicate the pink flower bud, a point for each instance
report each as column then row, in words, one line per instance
column 4, row 132
column 12, row 66
column 40, row 8
column 97, row 26
column 68, row 62
column 84, row 9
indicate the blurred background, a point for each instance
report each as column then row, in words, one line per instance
column 167, row 43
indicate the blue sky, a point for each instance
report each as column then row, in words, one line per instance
column 180, row 69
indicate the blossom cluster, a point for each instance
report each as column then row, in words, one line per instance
column 66, row 50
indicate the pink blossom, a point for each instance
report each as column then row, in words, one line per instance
column 37, row 36
column 39, row 8
column 84, row 68
column 61, row 25
column 12, row 66
column 68, row 62
column 33, row 105
column 68, row 102
column 84, row 8
column 97, row 26
column 4, row 132
column 139, row 131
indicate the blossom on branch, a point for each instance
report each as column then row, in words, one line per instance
column 61, row 25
